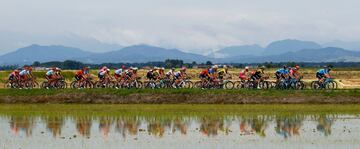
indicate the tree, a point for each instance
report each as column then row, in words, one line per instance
column 209, row 63
column 36, row 64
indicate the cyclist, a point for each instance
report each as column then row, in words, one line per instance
column 204, row 75
column 179, row 76
column 50, row 76
column 131, row 73
column 213, row 72
column 25, row 73
column 244, row 75
column 119, row 73
column 161, row 73
column 258, row 74
column 80, row 75
column 294, row 72
column 324, row 73
column 14, row 76
column 152, row 74
column 103, row 72
column 282, row 73
column 170, row 74
column 223, row 72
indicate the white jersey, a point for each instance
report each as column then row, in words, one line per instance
column 170, row 73
column 118, row 71
column 24, row 72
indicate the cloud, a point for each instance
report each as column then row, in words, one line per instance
column 195, row 26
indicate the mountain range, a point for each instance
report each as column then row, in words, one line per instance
column 278, row 51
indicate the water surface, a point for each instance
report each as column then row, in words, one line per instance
column 46, row 129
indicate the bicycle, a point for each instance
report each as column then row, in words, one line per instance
column 328, row 83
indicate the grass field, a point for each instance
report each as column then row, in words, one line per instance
column 174, row 110
column 347, row 77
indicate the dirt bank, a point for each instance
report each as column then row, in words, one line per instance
column 145, row 98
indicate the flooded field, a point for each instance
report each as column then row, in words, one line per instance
column 183, row 126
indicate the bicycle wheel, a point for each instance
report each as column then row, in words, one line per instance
column 264, row 85
column 229, row 85
column 74, row 84
column 315, row 85
column 45, row 84
column 198, row 84
column 99, row 84
column 330, row 85
column 238, row 85
column 9, row 85
column 89, row 84
column 188, row 84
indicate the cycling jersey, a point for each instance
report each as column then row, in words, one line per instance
column 50, row 73
column 282, row 71
column 80, row 73
column 101, row 73
column 323, row 71
column 24, row 72
column 118, row 71
column 293, row 71
column 242, row 74
column 212, row 71
column 204, row 72
column 178, row 75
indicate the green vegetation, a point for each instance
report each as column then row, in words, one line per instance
column 175, row 110
column 126, row 92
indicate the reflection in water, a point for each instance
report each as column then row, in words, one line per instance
column 22, row 124
column 288, row 127
column 83, row 126
column 324, row 125
column 285, row 127
column 54, row 125
column 127, row 126
column 181, row 125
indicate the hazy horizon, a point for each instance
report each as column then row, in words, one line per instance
column 192, row 26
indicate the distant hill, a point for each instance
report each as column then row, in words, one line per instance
column 289, row 45
column 355, row 46
column 330, row 54
column 238, row 51
column 144, row 53
column 28, row 55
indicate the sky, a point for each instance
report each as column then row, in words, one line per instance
column 190, row 25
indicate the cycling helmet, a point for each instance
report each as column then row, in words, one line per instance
column 297, row 67
column 224, row 66
column 135, row 68
column 262, row 67
column 183, row 68
column 123, row 67
column 215, row 66
column 247, row 68
column 173, row 68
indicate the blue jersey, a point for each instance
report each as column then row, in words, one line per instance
column 50, row 72
column 212, row 71
column 282, row 71
column 323, row 71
